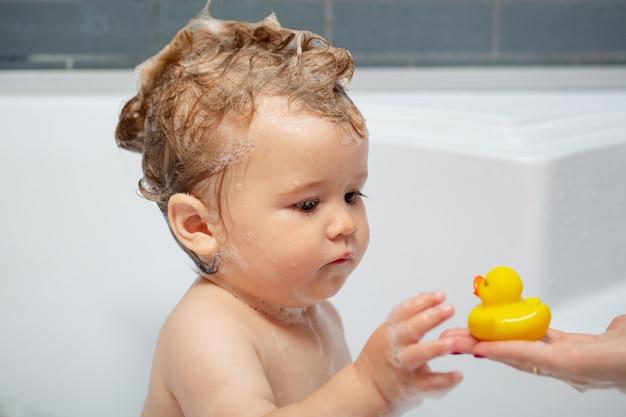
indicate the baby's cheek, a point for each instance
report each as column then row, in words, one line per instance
column 232, row 255
column 363, row 232
column 249, row 236
column 266, row 251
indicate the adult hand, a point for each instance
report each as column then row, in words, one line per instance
column 584, row 361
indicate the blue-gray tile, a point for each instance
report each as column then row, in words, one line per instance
column 308, row 15
column 413, row 26
column 563, row 26
column 117, row 27
column 171, row 17
column 73, row 27
column 27, row 28
column 119, row 33
column 301, row 14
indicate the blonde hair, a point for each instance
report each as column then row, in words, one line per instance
column 198, row 95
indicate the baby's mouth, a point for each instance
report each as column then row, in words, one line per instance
column 342, row 259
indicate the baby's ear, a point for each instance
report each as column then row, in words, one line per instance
column 189, row 221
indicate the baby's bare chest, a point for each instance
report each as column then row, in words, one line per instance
column 301, row 359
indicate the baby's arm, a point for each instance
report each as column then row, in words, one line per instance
column 390, row 375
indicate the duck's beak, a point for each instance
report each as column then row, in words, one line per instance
column 477, row 281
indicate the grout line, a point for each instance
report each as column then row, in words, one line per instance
column 328, row 20
column 495, row 30
column 487, row 59
column 156, row 29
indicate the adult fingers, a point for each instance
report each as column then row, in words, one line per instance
column 533, row 357
column 461, row 339
column 617, row 322
column 506, row 351
column 455, row 332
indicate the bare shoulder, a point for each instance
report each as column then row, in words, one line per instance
column 205, row 309
column 205, row 323
column 206, row 347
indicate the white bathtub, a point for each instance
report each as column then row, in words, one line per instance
column 461, row 180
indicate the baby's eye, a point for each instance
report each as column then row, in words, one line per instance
column 353, row 196
column 308, row 205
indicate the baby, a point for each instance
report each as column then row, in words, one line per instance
column 257, row 158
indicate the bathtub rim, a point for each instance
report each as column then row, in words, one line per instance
column 365, row 79
column 509, row 138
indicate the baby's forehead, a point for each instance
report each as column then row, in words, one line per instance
column 275, row 127
column 279, row 106
column 276, row 108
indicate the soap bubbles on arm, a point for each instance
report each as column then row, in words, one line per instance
column 395, row 358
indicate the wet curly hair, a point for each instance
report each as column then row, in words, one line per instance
column 204, row 86
column 197, row 98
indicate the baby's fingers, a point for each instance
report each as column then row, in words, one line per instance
column 416, row 355
column 414, row 328
column 437, row 384
column 415, row 305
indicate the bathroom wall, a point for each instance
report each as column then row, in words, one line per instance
column 67, row 34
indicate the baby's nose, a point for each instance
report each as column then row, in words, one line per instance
column 342, row 223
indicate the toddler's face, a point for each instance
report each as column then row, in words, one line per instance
column 295, row 219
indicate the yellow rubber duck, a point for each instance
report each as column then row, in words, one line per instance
column 503, row 314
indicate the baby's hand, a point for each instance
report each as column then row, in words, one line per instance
column 395, row 360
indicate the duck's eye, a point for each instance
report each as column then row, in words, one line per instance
column 486, row 283
column 353, row 196
column 308, row 205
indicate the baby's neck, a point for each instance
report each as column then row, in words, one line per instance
column 280, row 314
